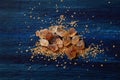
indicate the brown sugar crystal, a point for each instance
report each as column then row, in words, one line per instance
column 59, row 42
column 43, row 33
column 72, row 32
column 53, row 29
column 61, row 32
column 37, row 33
column 71, row 52
column 49, row 36
column 62, row 17
column 81, row 44
column 53, row 47
column 75, row 40
column 66, row 41
column 44, row 42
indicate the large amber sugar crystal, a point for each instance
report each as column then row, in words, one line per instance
column 44, row 42
column 72, row 32
column 71, row 52
column 53, row 47
column 49, row 35
column 75, row 40
column 66, row 41
column 81, row 44
column 59, row 42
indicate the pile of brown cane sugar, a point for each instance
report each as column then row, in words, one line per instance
column 58, row 41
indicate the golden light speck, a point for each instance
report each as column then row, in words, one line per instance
column 93, row 16
column 116, row 55
column 32, row 60
column 44, row 59
column 25, row 22
column 75, row 63
column 32, row 57
column 38, row 57
column 49, row 2
column 31, row 39
column 86, row 26
column 88, row 19
column 74, row 13
column 87, row 69
column 57, row 65
column 105, row 60
column 56, row 60
column 32, row 9
column 57, row 10
column 101, row 41
column 113, row 46
column 24, row 14
column 30, row 16
column 20, row 44
column 29, row 47
column 102, row 44
column 39, row 3
column 93, row 65
column 68, row 10
column 56, row 5
column 83, row 12
column 38, row 18
column 45, row 65
column 87, row 61
column 61, row 0
column 61, row 64
column 21, row 51
column 16, row 51
column 109, row 2
column 65, row 62
column 45, row 15
column 33, row 17
column 72, row 16
column 70, row 63
column 26, row 50
column 42, row 20
column 29, row 67
column 30, row 12
column 93, row 37
column 28, row 26
column 64, row 67
column 101, row 65
column 110, row 22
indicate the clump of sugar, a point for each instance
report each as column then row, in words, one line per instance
column 58, row 40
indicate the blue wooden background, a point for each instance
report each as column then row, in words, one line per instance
column 19, row 19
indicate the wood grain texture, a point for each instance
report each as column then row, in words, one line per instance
column 17, row 35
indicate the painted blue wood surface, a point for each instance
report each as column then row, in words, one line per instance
column 17, row 28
